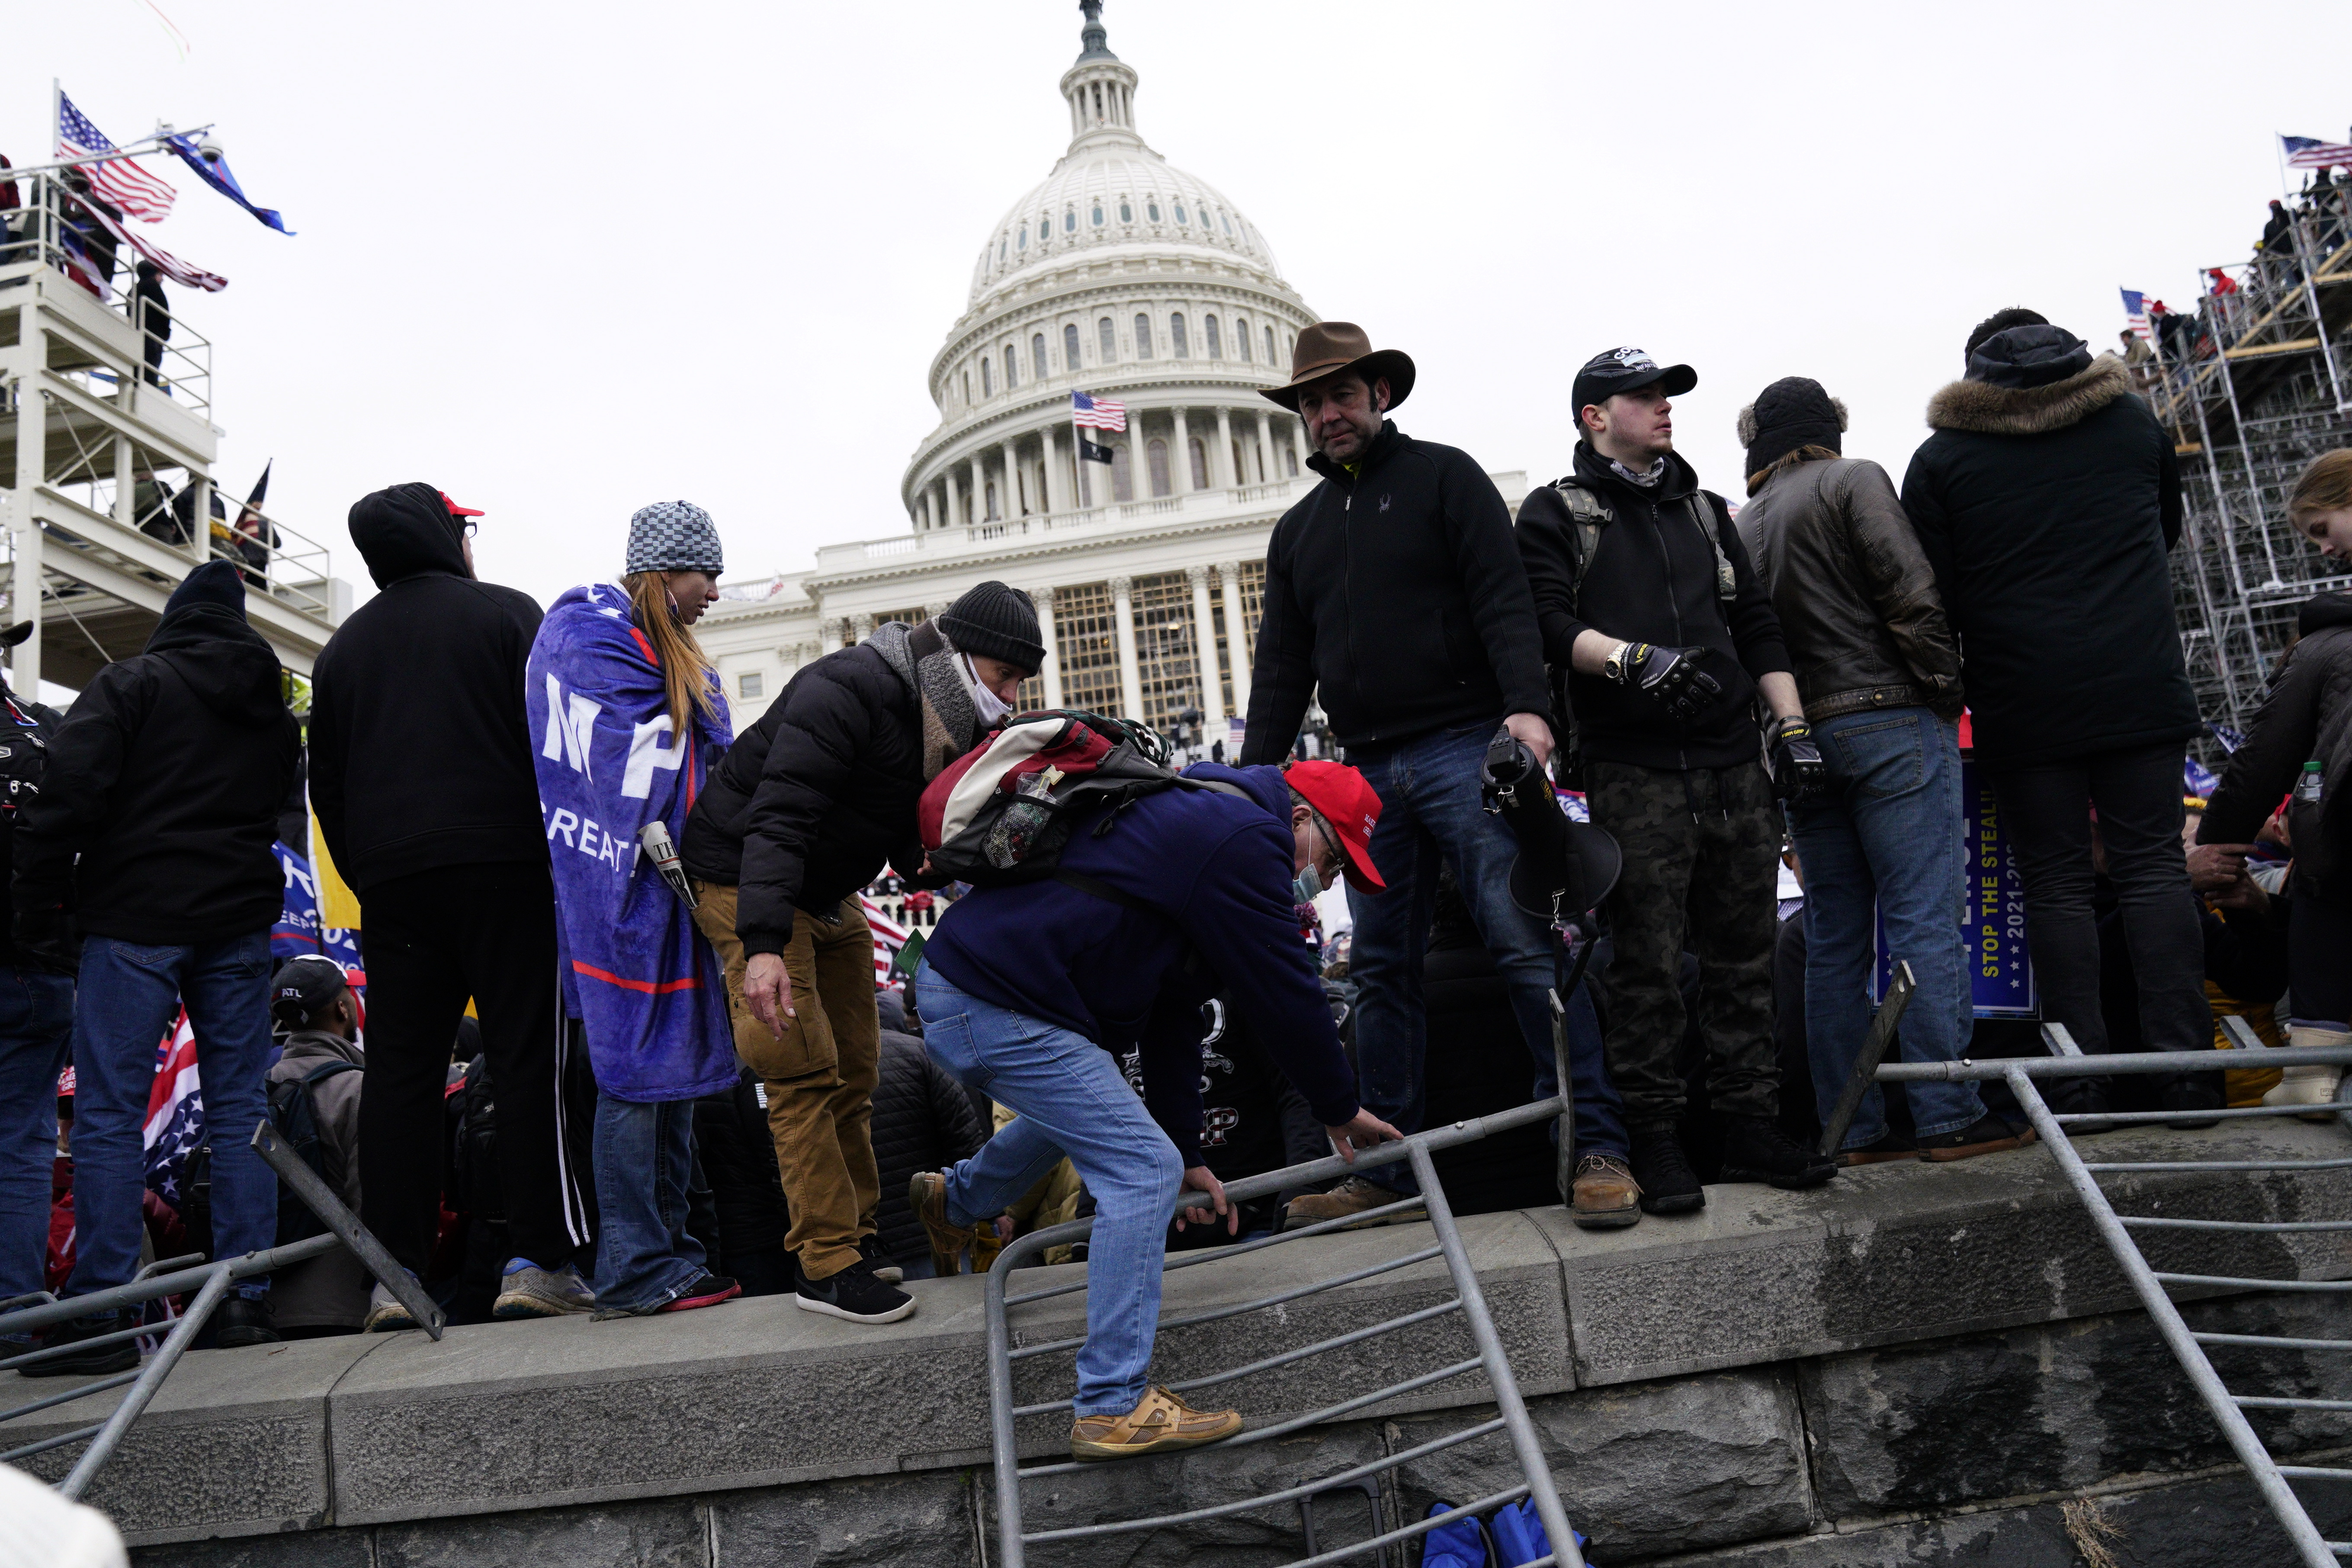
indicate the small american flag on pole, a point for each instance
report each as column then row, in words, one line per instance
column 2136, row 312
column 1096, row 412
column 2308, row 153
column 118, row 181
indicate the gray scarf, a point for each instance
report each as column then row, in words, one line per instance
column 926, row 661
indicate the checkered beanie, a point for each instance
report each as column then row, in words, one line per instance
column 673, row 536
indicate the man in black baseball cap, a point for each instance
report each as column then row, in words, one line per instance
column 1621, row 371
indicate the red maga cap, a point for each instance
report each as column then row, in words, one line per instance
column 1341, row 797
column 457, row 510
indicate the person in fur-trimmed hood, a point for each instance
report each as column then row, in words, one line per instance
column 806, row 808
column 2048, row 499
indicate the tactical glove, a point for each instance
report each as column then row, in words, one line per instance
column 1798, row 772
column 1671, row 677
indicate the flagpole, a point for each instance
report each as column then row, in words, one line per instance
column 2278, row 151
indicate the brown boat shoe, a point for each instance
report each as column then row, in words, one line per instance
column 926, row 1195
column 1160, row 1423
column 1605, row 1196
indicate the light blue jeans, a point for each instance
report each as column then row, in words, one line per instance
column 1073, row 1100
column 1888, row 829
column 644, row 1151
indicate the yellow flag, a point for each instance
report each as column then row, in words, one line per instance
column 339, row 907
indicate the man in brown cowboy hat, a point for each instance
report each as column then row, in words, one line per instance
column 1395, row 590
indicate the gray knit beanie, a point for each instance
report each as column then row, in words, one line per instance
column 673, row 536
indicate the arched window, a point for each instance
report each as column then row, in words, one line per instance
column 1269, row 347
column 1044, row 229
column 1099, row 217
column 1142, row 336
column 1180, row 212
column 1010, row 379
column 992, row 500
column 1070, row 345
column 1151, row 208
column 1200, row 463
column 1037, row 353
column 1290, row 460
column 1209, row 331
column 1176, row 336
column 1123, row 474
column 1021, row 240
column 1070, row 221
column 1156, row 456
column 1227, row 219
column 1240, row 338
column 1000, row 253
column 1125, row 211
column 987, row 376
column 1109, row 342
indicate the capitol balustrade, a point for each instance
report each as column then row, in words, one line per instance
column 993, row 535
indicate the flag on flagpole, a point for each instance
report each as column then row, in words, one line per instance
column 2136, row 312
column 215, row 172
column 179, row 271
column 2309, row 152
column 1096, row 412
column 117, row 180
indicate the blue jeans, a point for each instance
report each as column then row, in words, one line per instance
column 1888, row 829
column 1430, row 809
column 36, row 1029
column 644, row 1154
column 1073, row 1100
column 121, row 1007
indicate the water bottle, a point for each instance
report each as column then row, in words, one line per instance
column 2307, row 789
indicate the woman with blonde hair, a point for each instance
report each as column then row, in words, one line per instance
column 2300, row 747
column 630, row 719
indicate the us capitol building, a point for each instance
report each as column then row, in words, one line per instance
column 1126, row 278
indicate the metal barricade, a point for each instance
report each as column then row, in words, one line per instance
column 2188, row 1346
column 211, row 1283
column 1466, row 1300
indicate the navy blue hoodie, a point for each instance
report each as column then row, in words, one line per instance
column 1220, row 870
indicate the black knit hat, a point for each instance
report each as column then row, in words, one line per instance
column 214, row 583
column 994, row 621
column 1793, row 412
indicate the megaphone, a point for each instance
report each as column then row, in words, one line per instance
column 1563, row 867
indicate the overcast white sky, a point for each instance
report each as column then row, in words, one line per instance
column 564, row 259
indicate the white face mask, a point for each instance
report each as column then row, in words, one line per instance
column 990, row 706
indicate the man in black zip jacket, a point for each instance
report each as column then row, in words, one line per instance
column 1394, row 591
column 151, row 836
column 421, row 774
column 1668, row 640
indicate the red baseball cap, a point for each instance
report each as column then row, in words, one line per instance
column 1351, row 808
column 457, row 510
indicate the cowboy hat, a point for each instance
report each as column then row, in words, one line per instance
column 1329, row 348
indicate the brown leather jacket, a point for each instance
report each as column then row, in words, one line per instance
column 1855, row 595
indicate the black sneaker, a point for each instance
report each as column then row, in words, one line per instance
column 91, row 1363
column 1888, row 1145
column 1668, row 1183
column 2199, row 1091
column 1756, row 1149
column 878, row 1258
column 855, row 1296
column 243, row 1320
column 2081, row 1097
column 1986, row 1135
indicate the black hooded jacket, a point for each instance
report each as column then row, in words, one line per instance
column 420, row 753
column 2306, row 717
column 165, row 778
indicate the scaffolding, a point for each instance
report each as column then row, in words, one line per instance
column 2253, row 387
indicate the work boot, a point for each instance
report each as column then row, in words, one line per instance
column 1352, row 1196
column 1159, row 1422
column 1756, row 1149
column 2196, row 1092
column 1664, row 1172
column 91, row 1363
column 245, row 1320
column 878, row 1257
column 527, row 1291
column 1605, row 1196
column 926, row 1195
column 2313, row 1085
column 1888, row 1145
column 1987, row 1134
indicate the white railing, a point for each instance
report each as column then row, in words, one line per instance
column 994, row 531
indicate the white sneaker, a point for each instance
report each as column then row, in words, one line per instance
column 385, row 1313
column 527, row 1291
column 2313, row 1085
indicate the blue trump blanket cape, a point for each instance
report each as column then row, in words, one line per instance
column 650, row 991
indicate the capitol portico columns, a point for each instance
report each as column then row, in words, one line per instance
column 1237, row 654
column 1052, row 667
column 976, row 503
column 1181, row 454
column 1204, row 642
column 1130, row 677
column 1055, row 485
column 1221, row 468
column 1012, row 490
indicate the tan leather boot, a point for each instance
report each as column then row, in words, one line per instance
column 1161, row 1421
column 926, row 1195
column 1605, row 1195
column 2312, row 1085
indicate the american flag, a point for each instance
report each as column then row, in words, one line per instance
column 2308, row 153
column 171, row 267
column 1096, row 412
column 117, row 180
column 889, row 936
column 2136, row 312
column 175, row 1112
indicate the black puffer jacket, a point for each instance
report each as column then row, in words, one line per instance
column 2308, row 717
column 165, row 779
column 812, row 801
column 922, row 1122
column 1393, row 594
column 2048, row 510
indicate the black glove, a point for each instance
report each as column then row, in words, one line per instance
column 1798, row 772
column 1671, row 677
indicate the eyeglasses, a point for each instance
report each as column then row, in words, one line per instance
column 470, row 526
column 1337, row 866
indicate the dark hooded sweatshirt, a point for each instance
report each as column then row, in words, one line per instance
column 420, row 755
column 165, row 778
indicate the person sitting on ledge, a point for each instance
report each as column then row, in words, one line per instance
column 1028, row 989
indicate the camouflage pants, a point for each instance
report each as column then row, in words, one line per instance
column 1702, row 851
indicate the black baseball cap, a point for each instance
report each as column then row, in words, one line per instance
column 305, row 983
column 1605, row 375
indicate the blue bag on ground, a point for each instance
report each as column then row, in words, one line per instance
column 1519, row 1535
column 1460, row 1544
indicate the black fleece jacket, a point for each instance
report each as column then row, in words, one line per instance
column 1653, row 579
column 1396, row 592
column 165, row 779
column 420, row 753
column 2306, row 716
column 812, row 801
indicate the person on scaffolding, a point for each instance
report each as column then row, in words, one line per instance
column 1028, row 989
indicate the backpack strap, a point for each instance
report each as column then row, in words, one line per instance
column 328, row 1069
column 1702, row 511
column 1586, row 512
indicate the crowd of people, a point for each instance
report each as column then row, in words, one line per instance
column 626, row 1049
column 2298, row 237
